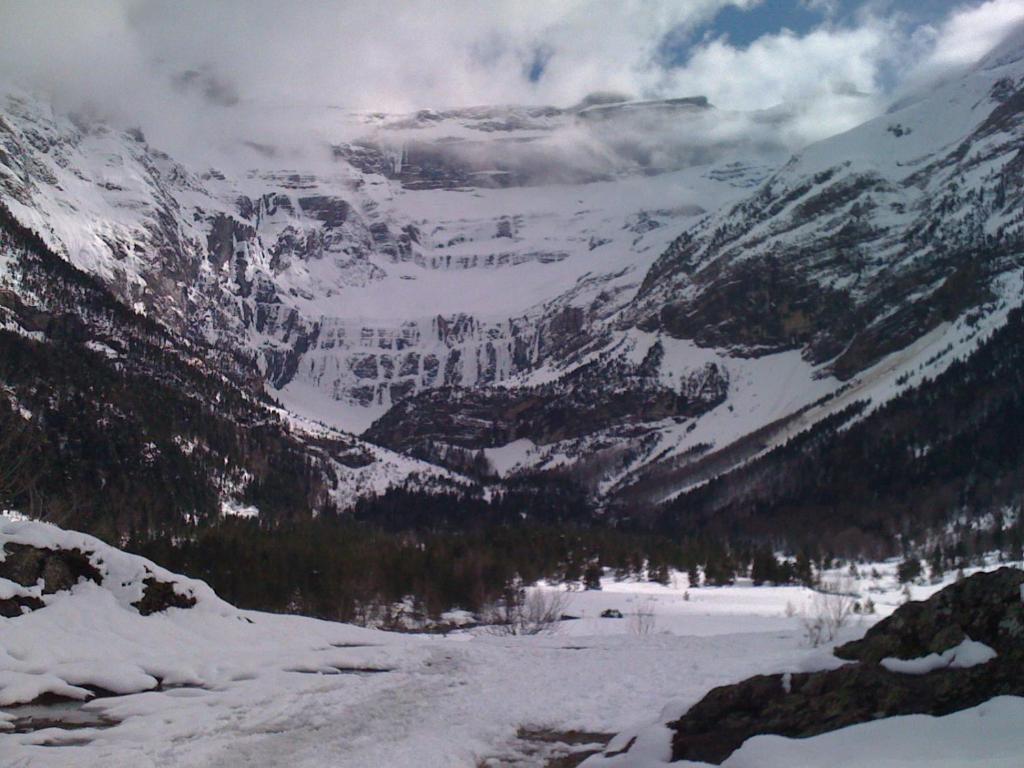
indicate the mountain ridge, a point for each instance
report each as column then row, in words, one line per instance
column 673, row 319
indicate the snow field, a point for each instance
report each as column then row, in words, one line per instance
column 248, row 688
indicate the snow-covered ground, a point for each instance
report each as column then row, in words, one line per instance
column 243, row 688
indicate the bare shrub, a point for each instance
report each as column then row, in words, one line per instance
column 831, row 609
column 643, row 620
column 526, row 612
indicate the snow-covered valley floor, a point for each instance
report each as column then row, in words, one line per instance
column 242, row 688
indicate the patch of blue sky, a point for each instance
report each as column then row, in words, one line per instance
column 743, row 26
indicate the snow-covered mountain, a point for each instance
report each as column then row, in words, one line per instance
column 867, row 263
column 380, row 283
column 624, row 291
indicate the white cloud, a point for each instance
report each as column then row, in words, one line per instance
column 829, row 76
column 969, row 33
column 368, row 54
column 123, row 58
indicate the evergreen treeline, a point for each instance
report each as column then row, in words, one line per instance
column 539, row 499
column 340, row 567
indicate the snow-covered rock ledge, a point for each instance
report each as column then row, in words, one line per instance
column 38, row 560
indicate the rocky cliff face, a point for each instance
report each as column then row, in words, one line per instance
column 602, row 395
column 472, row 280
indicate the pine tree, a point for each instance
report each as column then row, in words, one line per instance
column 659, row 573
column 592, row 575
column 909, row 569
column 719, row 569
column 937, row 563
column 802, row 571
column 765, row 567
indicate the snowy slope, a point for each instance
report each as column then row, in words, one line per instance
column 878, row 257
column 214, row 685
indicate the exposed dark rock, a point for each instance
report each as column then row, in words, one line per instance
column 364, row 365
column 332, row 211
column 364, row 394
column 225, row 233
column 387, row 366
column 986, row 607
column 59, row 569
column 452, row 369
column 593, row 397
column 760, row 307
column 819, row 702
column 159, row 596
column 355, row 458
column 964, row 288
column 29, row 318
column 410, row 364
column 282, row 364
column 401, row 390
column 12, row 607
column 431, row 366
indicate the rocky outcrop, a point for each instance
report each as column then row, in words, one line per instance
column 159, row 596
column 758, row 308
column 597, row 396
column 807, row 704
column 58, row 569
column 55, row 569
column 987, row 608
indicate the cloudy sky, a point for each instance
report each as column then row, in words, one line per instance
column 172, row 65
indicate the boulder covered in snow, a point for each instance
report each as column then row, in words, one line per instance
column 956, row 650
column 38, row 560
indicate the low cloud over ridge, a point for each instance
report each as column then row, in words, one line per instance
column 199, row 73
